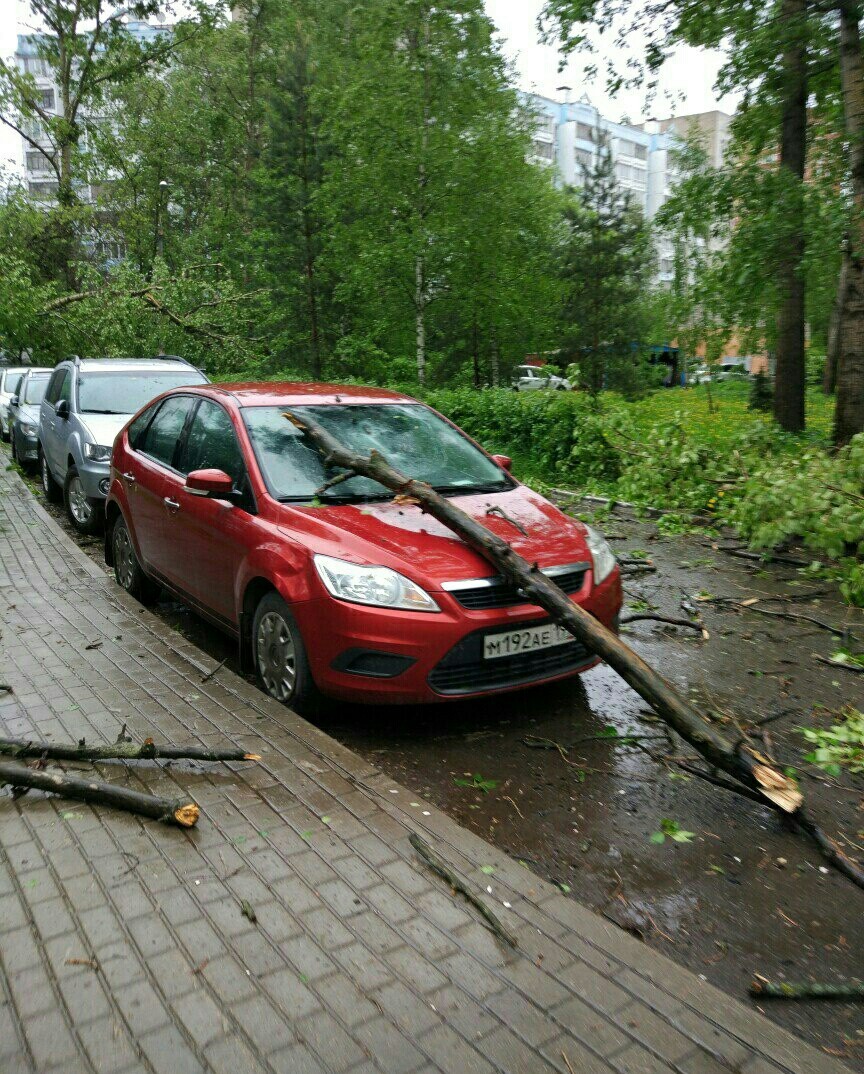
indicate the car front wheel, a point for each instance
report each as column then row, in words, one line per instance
column 53, row 492
column 86, row 515
column 280, row 656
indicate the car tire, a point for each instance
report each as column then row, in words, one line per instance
column 4, row 435
column 53, row 492
column 85, row 514
column 12, row 448
column 128, row 572
column 280, row 657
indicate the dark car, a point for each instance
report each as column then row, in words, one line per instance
column 24, row 417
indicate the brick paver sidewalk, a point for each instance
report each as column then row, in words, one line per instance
column 122, row 942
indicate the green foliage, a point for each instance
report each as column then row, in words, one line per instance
column 839, row 746
column 761, row 395
column 671, row 829
column 477, row 783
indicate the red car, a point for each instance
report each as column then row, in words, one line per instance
column 216, row 496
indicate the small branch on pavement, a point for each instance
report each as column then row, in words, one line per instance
column 671, row 620
column 858, row 669
column 121, row 750
column 741, row 553
column 455, row 882
column 181, row 811
column 209, row 676
column 761, row 986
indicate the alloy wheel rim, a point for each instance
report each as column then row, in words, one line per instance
column 45, row 474
column 277, row 656
column 79, row 505
column 124, row 557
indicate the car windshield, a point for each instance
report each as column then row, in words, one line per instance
column 35, row 387
column 411, row 436
column 125, row 392
column 12, row 382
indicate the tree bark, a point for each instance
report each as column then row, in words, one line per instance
column 835, row 325
column 126, row 751
column 181, row 811
column 790, row 377
column 849, row 413
column 738, row 760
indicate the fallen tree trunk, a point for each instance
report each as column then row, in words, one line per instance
column 181, row 811
column 761, row 986
column 736, row 759
column 125, row 751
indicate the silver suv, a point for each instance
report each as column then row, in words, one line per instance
column 87, row 402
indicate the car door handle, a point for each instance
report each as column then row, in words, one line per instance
column 173, row 504
column 130, row 477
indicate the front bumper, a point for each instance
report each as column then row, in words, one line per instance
column 383, row 656
column 95, row 478
column 27, row 447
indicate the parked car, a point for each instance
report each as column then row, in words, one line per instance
column 532, row 378
column 24, row 416
column 10, row 378
column 339, row 590
column 87, row 402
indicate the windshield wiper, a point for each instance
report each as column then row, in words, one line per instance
column 103, row 411
column 469, row 490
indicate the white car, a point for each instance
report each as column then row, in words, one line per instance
column 530, row 378
column 10, row 378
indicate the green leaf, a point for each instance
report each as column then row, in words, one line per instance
column 487, row 869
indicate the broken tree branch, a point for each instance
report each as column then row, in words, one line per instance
column 181, row 811
column 671, row 620
column 736, row 759
column 762, row 987
column 125, row 751
column 455, row 882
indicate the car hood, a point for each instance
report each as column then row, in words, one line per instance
column 406, row 539
column 28, row 413
column 104, row 427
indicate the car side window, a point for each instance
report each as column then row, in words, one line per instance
column 138, row 427
column 58, row 378
column 66, row 388
column 162, row 437
column 212, row 444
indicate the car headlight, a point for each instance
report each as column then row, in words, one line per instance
column 98, row 452
column 601, row 553
column 378, row 586
column 27, row 429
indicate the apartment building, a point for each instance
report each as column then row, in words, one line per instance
column 39, row 178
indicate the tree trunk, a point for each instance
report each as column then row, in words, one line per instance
column 738, row 760
column 308, row 232
column 182, row 811
column 849, row 414
column 420, row 316
column 495, row 360
column 790, row 379
column 475, row 353
column 832, row 350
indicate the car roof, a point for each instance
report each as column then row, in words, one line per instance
column 288, row 393
column 129, row 365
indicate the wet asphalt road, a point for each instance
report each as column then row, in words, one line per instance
column 743, row 895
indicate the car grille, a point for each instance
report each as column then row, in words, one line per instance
column 483, row 593
column 464, row 670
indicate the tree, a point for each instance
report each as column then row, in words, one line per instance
column 88, row 51
column 606, row 265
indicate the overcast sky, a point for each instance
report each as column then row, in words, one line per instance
column 686, row 85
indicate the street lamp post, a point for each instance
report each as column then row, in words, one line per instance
column 160, row 220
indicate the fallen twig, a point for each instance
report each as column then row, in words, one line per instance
column 761, row 986
column 181, row 811
column 741, row 553
column 857, row 668
column 210, row 674
column 455, row 882
column 5, row 688
column 121, row 750
column 671, row 620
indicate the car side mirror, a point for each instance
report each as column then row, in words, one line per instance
column 504, row 461
column 13, row 401
column 62, row 408
column 215, row 484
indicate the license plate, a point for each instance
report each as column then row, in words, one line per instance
column 524, row 641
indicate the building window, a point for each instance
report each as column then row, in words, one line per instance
column 584, row 157
column 630, row 174
column 546, row 150
column 47, row 99
column 666, row 265
column 36, row 65
column 38, row 163
column 627, row 148
column 586, row 132
column 43, row 191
